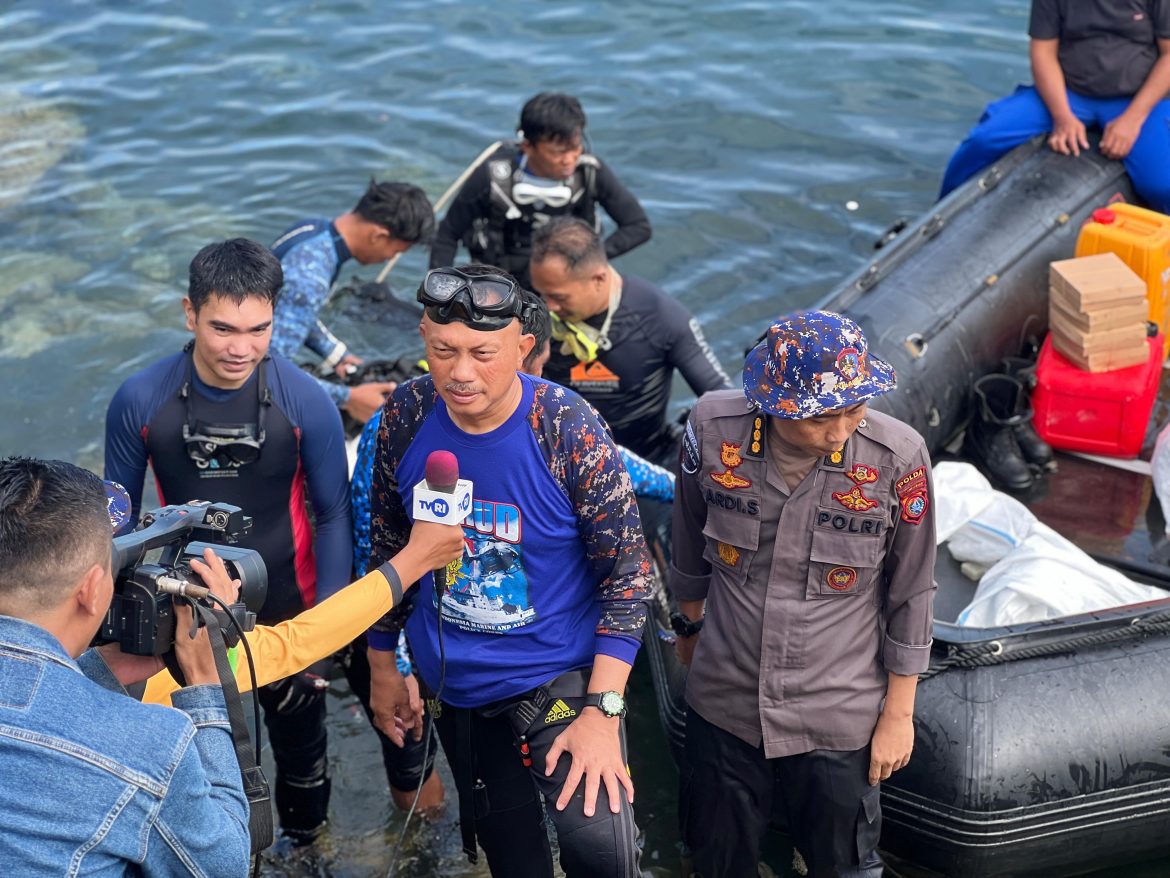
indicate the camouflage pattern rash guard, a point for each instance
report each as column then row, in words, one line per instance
column 311, row 254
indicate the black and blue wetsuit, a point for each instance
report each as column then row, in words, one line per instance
column 302, row 461
column 303, row 458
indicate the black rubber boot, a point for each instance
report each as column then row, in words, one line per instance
column 991, row 435
column 1035, row 450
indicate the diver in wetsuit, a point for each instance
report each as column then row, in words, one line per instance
column 617, row 339
column 522, row 186
column 223, row 420
column 389, row 219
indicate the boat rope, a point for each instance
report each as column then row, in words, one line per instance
column 994, row 652
column 445, row 197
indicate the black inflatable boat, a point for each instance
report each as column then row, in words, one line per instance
column 1041, row 749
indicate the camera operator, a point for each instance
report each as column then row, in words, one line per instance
column 93, row 780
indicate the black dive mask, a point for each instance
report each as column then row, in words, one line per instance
column 225, row 445
column 485, row 302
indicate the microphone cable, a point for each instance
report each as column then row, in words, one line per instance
column 429, row 737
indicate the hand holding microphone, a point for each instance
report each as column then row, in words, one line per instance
column 437, row 545
column 442, row 498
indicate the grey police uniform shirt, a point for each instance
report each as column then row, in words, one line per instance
column 811, row 597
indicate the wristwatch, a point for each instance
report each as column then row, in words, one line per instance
column 610, row 703
column 684, row 627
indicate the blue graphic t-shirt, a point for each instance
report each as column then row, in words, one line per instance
column 554, row 569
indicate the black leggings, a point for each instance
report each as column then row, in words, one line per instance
column 510, row 819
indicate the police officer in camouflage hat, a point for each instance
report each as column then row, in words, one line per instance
column 803, row 529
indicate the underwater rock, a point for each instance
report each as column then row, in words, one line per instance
column 34, row 136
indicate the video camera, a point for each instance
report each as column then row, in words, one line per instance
column 141, row 618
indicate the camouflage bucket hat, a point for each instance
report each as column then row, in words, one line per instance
column 813, row 362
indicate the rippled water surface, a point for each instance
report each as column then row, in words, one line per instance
column 128, row 139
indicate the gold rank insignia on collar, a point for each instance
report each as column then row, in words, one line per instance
column 755, row 444
column 836, row 459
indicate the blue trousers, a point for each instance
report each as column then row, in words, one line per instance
column 1009, row 122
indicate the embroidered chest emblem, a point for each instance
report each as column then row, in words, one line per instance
column 730, row 457
column 841, row 578
column 854, row 500
column 728, row 554
column 862, row 474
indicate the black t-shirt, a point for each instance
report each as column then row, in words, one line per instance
column 1107, row 47
column 652, row 335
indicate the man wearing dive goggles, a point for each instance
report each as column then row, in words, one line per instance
column 520, row 186
column 528, row 651
column 489, row 301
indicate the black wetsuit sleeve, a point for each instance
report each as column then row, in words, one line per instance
column 472, row 202
column 689, row 351
column 633, row 226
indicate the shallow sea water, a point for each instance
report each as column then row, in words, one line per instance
column 128, row 139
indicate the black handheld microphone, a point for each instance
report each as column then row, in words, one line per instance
column 442, row 476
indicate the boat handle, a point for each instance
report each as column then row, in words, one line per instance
column 916, row 345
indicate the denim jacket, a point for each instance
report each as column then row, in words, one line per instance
column 96, row 784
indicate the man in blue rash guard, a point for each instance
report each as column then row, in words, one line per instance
column 389, row 219
column 648, row 479
column 224, row 420
column 544, row 616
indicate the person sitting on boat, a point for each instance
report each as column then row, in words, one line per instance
column 521, row 186
column 1100, row 64
column 527, row 665
column 803, row 526
column 389, row 219
column 618, row 339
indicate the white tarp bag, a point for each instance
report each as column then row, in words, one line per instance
column 1033, row 572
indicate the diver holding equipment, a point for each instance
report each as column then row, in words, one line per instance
column 521, row 185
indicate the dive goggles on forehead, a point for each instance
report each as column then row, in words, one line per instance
column 488, row 301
